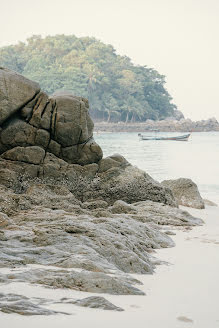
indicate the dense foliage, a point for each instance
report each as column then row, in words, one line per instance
column 116, row 89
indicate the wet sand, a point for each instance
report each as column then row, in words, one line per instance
column 184, row 293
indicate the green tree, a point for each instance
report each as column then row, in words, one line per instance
column 116, row 89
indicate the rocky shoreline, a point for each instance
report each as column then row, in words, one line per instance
column 168, row 125
column 68, row 217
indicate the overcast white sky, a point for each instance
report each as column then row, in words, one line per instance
column 179, row 38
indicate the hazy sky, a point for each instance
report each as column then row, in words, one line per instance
column 179, row 38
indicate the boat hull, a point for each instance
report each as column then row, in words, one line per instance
column 184, row 137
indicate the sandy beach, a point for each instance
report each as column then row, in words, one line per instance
column 182, row 293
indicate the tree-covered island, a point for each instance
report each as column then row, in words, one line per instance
column 117, row 89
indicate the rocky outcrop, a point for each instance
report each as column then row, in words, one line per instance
column 88, row 244
column 19, row 304
column 93, row 250
column 22, row 305
column 186, row 192
column 110, row 179
column 50, row 138
column 45, row 221
column 29, row 118
column 15, row 93
column 117, row 179
column 68, row 218
column 168, row 125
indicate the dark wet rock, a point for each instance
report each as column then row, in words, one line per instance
column 94, row 302
column 186, row 192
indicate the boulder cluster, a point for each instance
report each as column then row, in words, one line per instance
column 52, row 138
column 59, row 124
column 68, row 217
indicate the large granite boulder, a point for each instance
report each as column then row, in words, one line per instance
column 86, row 223
column 15, row 92
column 186, row 192
column 59, row 124
column 52, row 138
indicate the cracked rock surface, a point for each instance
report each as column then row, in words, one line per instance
column 29, row 117
column 69, row 218
column 82, row 246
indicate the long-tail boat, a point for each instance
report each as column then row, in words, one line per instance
column 184, row 137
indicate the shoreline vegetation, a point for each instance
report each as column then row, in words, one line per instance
column 168, row 125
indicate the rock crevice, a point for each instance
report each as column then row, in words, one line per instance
column 29, row 117
column 68, row 218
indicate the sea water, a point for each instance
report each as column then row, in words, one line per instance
column 197, row 158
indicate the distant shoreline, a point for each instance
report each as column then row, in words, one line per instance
column 184, row 125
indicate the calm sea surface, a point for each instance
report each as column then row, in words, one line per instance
column 197, row 159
